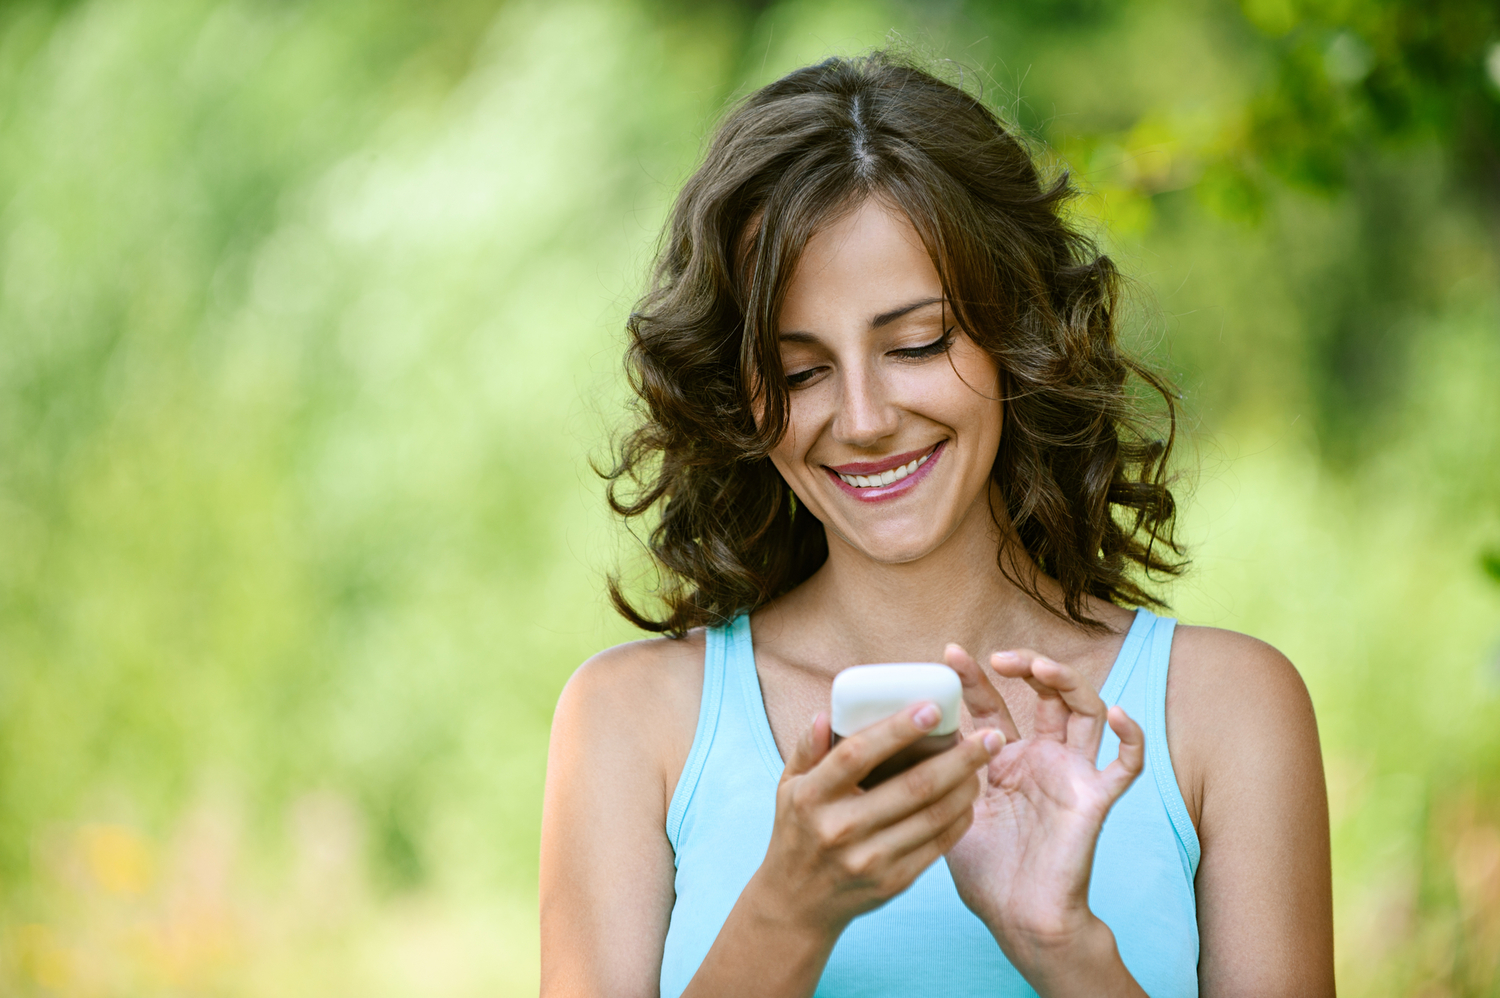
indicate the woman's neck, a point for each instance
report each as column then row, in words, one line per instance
column 855, row 609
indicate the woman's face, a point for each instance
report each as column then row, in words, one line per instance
column 891, row 437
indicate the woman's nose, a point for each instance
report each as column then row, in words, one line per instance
column 866, row 412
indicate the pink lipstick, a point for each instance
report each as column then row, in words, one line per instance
column 911, row 466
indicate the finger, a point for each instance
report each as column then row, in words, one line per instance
column 1051, row 718
column 925, row 783
column 1120, row 774
column 810, row 748
column 985, row 703
column 927, row 823
column 1069, row 709
column 852, row 758
column 909, row 867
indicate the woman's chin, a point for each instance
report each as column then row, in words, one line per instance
column 896, row 550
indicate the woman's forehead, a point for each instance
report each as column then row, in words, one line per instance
column 868, row 264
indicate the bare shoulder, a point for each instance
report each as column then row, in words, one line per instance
column 636, row 702
column 1226, row 673
column 638, row 674
column 1233, row 698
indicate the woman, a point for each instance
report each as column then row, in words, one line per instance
column 885, row 418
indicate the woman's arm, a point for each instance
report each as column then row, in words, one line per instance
column 622, row 724
column 1241, row 722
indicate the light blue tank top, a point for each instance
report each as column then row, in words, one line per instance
column 925, row 941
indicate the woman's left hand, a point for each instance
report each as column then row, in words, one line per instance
column 1024, row 865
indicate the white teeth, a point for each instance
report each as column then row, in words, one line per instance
column 885, row 477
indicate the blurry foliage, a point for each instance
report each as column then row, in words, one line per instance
column 310, row 320
column 1352, row 75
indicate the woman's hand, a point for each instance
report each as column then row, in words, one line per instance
column 1024, row 866
column 836, row 850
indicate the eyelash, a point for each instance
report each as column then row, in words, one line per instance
column 937, row 346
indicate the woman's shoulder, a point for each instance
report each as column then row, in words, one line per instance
column 1223, row 675
column 636, row 701
column 644, row 679
column 1237, row 710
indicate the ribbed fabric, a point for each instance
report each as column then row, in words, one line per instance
column 924, row 941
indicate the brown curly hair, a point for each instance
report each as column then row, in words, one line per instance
column 1083, row 482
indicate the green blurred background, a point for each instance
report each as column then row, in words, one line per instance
column 311, row 320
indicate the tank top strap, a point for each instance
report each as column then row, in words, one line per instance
column 1158, row 659
column 731, row 715
column 1124, row 669
column 740, row 673
column 715, row 652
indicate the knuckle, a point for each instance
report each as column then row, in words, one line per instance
column 832, row 831
column 800, row 797
column 936, row 818
column 861, row 864
column 852, row 754
column 920, row 782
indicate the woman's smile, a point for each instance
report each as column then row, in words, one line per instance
column 872, row 481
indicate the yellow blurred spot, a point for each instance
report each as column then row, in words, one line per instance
column 118, row 859
column 42, row 957
column 1272, row 17
column 1122, row 211
column 1148, row 161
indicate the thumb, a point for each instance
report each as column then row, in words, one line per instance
column 811, row 747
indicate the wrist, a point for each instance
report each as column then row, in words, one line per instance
column 761, row 922
column 1080, row 958
column 777, row 915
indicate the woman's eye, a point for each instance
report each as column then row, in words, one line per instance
column 937, row 346
column 801, row 377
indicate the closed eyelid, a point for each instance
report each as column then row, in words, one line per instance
column 941, row 343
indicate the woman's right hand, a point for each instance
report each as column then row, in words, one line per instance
column 837, row 850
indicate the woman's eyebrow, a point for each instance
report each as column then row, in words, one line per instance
column 885, row 318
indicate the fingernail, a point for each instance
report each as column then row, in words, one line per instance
column 994, row 743
column 1005, row 656
column 927, row 718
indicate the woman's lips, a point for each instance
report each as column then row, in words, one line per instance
column 878, row 492
column 876, row 467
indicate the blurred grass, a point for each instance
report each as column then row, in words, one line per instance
column 309, row 322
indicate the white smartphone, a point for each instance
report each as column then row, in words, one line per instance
column 865, row 694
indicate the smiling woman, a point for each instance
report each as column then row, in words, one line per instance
column 711, row 341
column 886, row 419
